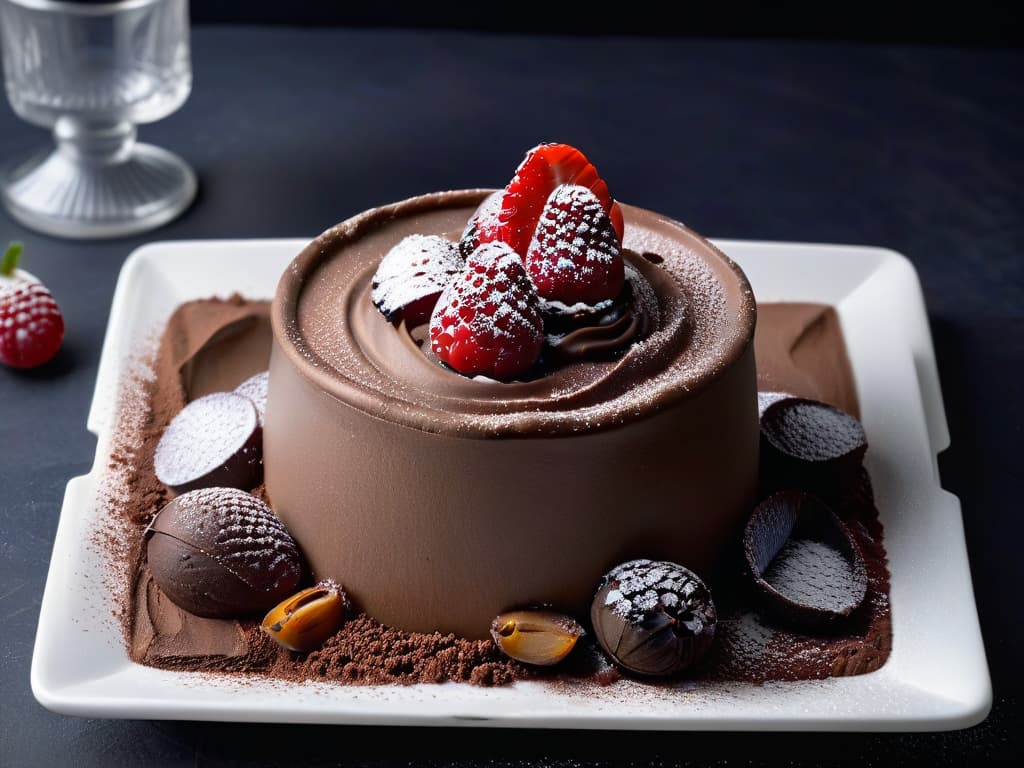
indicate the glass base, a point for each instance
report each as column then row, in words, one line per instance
column 58, row 194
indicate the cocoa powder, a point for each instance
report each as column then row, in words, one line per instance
column 748, row 648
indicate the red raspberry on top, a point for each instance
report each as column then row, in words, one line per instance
column 31, row 325
column 545, row 167
column 487, row 322
column 575, row 254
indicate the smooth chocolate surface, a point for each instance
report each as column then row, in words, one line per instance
column 440, row 501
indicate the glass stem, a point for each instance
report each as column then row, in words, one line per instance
column 94, row 142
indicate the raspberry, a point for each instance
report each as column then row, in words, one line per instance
column 575, row 254
column 487, row 321
column 545, row 167
column 31, row 325
column 412, row 275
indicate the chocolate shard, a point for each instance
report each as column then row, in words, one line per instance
column 809, row 445
column 806, row 566
column 213, row 441
column 221, row 552
column 483, row 221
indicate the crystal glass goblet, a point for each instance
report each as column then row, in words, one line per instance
column 91, row 72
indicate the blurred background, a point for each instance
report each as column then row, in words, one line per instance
column 976, row 23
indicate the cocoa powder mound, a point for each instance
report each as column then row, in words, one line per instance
column 366, row 652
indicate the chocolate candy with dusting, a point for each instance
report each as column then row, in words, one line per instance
column 653, row 618
column 806, row 565
column 255, row 388
column 810, row 445
column 213, row 441
column 221, row 552
column 412, row 275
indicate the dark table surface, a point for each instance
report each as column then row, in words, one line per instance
column 914, row 148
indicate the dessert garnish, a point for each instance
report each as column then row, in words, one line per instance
column 805, row 563
column 304, row 621
column 544, row 168
column 536, row 636
column 222, row 552
column 484, row 218
column 412, row 275
column 811, row 445
column 255, row 388
column 575, row 254
column 31, row 323
column 487, row 322
column 557, row 216
column 215, row 440
column 653, row 618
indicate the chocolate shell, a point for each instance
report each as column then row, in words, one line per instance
column 221, row 552
column 653, row 618
column 809, row 445
column 805, row 563
column 213, row 441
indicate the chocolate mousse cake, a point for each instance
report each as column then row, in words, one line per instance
column 482, row 495
column 486, row 435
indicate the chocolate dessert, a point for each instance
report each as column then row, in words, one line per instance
column 491, row 472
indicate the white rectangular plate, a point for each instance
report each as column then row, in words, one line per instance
column 935, row 679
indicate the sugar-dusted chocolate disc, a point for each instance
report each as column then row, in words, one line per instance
column 412, row 275
column 806, row 565
column 221, row 552
column 255, row 388
column 213, row 441
column 809, row 445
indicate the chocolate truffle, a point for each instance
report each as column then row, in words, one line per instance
column 653, row 618
column 221, row 552
column 213, row 441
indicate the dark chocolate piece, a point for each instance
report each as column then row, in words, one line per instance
column 221, row 552
column 255, row 388
column 810, row 445
column 653, row 618
column 412, row 275
column 485, row 217
column 805, row 563
column 213, row 441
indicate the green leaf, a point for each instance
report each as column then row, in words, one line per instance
column 10, row 259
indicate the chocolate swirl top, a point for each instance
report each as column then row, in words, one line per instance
column 324, row 320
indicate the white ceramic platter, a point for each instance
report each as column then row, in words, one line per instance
column 935, row 679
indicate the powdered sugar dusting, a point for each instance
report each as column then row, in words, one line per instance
column 814, row 574
column 255, row 388
column 204, row 435
column 419, row 266
column 701, row 325
column 240, row 531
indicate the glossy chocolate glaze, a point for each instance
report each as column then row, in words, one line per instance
column 440, row 501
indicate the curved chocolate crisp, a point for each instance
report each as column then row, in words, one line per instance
column 806, row 566
column 213, row 441
column 221, row 552
column 809, row 445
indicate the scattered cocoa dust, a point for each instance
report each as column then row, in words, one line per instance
column 365, row 652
